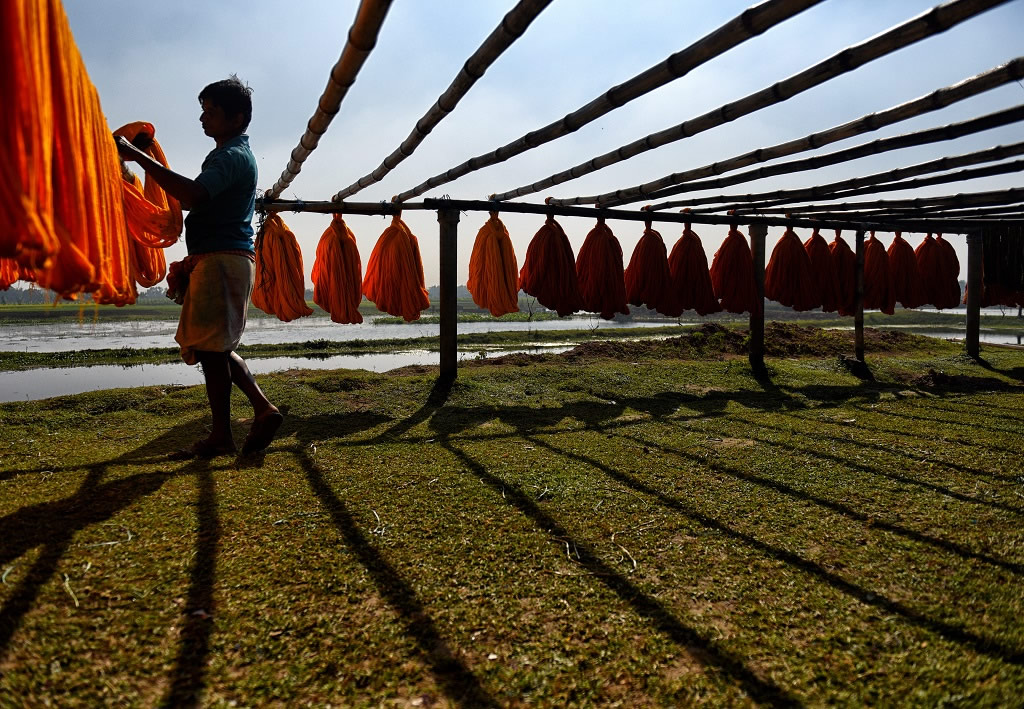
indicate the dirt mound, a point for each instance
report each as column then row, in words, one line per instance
column 713, row 341
column 959, row 382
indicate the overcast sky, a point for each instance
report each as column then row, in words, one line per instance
column 150, row 60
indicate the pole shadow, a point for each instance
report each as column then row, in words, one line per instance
column 845, row 510
column 953, row 633
column 761, row 689
column 456, row 680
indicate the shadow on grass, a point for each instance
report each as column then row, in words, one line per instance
column 837, row 507
column 455, row 679
column 954, row 633
column 53, row 525
column 707, row 650
column 924, row 438
column 869, row 470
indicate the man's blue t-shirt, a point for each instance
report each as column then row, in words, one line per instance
column 224, row 222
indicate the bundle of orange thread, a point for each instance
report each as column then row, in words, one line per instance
column 493, row 271
column 394, row 278
column 879, row 293
column 927, row 256
column 61, row 188
column 26, row 135
column 337, row 273
column 691, row 280
column 148, row 263
column 280, row 286
column 648, row 277
column 549, row 270
column 600, row 274
column 949, row 266
column 732, row 274
column 788, row 278
column 846, row 274
column 906, row 277
column 823, row 271
column 9, row 272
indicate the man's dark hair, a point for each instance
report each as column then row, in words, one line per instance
column 231, row 96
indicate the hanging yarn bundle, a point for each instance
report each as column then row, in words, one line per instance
column 549, row 270
column 691, row 280
column 949, row 267
column 148, row 263
column 337, row 273
column 906, row 277
column 9, row 272
column 279, row 287
column 879, row 292
column 823, row 271
column 394, row 279
column 154, row 217
column 845, row 262
column 61, row 212
column 788, row 278
column 26, row 135
column 493, row 271
column 732, row 274
column 648, row 277
column 599, row 272
column 929, row 266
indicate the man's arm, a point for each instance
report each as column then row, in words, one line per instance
column 187, row 191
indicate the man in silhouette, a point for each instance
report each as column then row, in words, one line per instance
column 220, row 266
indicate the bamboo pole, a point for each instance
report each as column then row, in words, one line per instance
column 449, row 231
column 903, row 185
column 361, row 39
column 751, row 22
column 512, row 26
column 965, row 199
column 965, row 216
column 890, row 180
column 975, row 256
column 758, row 234
column 680, row 182
column 932, row 22
column 1010, row 211
column 858, row 300
column 845, row 222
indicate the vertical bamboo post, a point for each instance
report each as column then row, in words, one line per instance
column 449, row 221
column 975, row 247
column 858, row 300
column 758, row 233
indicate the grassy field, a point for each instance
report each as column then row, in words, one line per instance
column 631, row 523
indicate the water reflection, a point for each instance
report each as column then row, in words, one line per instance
column 144, row 334
column 43, row 383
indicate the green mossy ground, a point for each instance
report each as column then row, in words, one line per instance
column 640, row 523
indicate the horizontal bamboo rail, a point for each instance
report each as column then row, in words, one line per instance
column 938, row 19
column 946, row 226
column 875, row 188
column 1005, row 211
column 362, row 37
column 875, row 147
column 968, row 199
column 512, row 27
column 751, row 22
column 998, row 152
column 680, row 182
